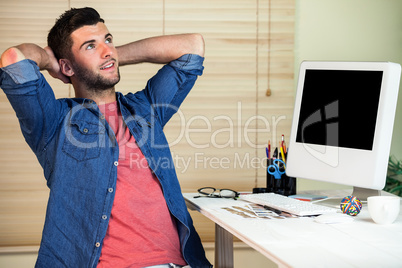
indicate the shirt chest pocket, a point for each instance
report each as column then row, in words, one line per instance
column 83, row 140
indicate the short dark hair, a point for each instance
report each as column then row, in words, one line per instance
column 59, row 37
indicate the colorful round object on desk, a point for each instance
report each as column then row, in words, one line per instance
column 351, row 205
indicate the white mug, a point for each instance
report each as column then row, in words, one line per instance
column 383, row 209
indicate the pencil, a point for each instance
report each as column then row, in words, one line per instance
column 284, row 147
column 283, row 155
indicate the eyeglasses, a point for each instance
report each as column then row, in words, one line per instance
column 217, row 193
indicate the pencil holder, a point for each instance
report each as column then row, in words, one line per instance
column 270, row 178
column 289, row 185
column 279, row 186
column 277, row 180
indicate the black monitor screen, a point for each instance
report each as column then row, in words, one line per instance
column 339, row 108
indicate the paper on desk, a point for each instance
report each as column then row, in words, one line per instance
column 246, row 211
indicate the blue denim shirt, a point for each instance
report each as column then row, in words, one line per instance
column 79, row 155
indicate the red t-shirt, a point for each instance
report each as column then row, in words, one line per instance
column 141, row 230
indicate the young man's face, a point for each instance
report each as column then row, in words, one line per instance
column 95, row 62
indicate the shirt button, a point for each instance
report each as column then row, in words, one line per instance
column 104, row 217
column 85, row 130
column 102, row 117
column 116, row 163
column 110, row 190
column 97, row 244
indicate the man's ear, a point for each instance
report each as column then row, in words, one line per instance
column 66, row 67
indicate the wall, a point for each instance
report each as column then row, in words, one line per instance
column 359, row 30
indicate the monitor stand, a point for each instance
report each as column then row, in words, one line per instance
column 361, row 193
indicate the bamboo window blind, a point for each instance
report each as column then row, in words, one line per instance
column 218, row 136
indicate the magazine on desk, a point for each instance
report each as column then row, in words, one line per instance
column 253, row 211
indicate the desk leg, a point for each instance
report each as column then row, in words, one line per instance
column 223, row 248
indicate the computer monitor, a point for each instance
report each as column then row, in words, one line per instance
column 342, row 123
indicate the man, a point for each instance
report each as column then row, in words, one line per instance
column 106, row 207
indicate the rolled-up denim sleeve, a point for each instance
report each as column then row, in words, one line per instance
column 32, row 99
column 170, row 86
column 191, row 63
column 14, row 75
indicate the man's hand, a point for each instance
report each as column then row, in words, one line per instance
column 10, row 56
column 43, row 57
column 53, row 66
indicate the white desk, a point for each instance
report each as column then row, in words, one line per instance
column 302, row 242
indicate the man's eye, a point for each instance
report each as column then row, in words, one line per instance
column 90, row 46
column 109, row 40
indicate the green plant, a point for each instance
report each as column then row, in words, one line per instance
column 394, row 177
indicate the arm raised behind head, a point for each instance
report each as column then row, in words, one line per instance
column 43, row 57
column 161, row 49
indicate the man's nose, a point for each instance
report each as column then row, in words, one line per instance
column 107, row 51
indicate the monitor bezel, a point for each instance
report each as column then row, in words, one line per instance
column 353, row 167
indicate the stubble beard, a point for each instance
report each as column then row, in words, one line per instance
column 94, row 81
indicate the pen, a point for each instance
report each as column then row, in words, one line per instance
column 275, row 153
column 277, row 211
column 269, row 149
